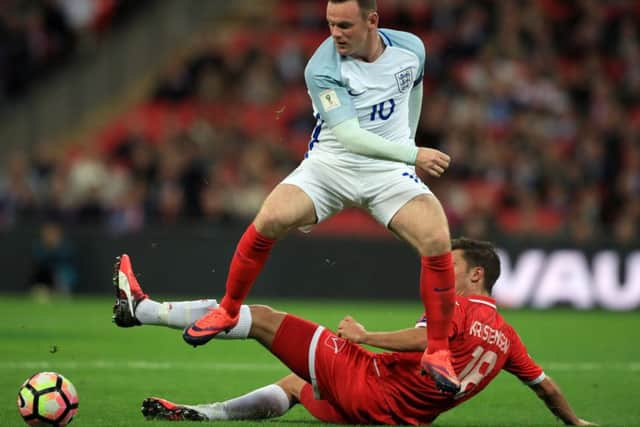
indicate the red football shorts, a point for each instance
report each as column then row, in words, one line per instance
column 343, row 376
column 321, row 409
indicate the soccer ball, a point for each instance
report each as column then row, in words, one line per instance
column 47, row 399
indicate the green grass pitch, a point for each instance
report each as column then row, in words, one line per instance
column 594, row 356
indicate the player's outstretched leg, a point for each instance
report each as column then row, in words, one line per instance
column 128, row 293
column 133, row 306
column 265, row 402
column 155, row 408
column 437, row 288
column 250, row 256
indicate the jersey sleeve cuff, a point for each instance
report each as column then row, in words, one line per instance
column 538, row 380
column 412, row 156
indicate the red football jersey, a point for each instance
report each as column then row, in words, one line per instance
column 481, row 342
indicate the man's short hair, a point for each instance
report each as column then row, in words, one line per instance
column 366, row 6
column 479, row 253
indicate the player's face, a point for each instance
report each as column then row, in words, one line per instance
column 464, row 276
column 349, row 29
column 459, row 270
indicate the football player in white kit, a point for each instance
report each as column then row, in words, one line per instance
column 366, row 88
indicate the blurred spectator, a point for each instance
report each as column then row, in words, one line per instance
column 537, row 102
column 36, row 36
column 175, row 84
column 17, row 190
column 54, row 267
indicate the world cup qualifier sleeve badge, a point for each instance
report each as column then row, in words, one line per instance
column 404, row 79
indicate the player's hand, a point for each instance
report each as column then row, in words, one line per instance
column 432, row 161
column 350, row 329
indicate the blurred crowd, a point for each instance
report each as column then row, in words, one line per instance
column 36, row 36
column 536, row 101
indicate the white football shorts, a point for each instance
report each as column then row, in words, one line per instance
column 380, row 188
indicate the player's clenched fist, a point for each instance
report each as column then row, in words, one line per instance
column 350, row 329
column 432, row 161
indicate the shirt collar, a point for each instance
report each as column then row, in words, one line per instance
column 483, row 300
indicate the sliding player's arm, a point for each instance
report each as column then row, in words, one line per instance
column 522, row 365
column 411, row 339
column 550, row 393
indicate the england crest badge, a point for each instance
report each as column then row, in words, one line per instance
column 404, row 79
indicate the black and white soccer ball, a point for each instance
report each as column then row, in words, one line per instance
column 47, row 399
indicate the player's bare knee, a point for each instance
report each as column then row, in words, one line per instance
column 265, row 321
column 292, row 386
column 436, row 242
column 261, row 314
column 270, row 224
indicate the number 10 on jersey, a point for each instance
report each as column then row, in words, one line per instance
column 382, row 110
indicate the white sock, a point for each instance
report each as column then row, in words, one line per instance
column 266, row 402
column 242, row 328
column 179, row 315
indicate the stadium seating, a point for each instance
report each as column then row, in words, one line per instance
column 539, row 106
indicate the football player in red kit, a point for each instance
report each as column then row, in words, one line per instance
column 339, row 381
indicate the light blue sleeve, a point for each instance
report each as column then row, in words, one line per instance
column 415, row 108
column 410, row 42
column 329, row 95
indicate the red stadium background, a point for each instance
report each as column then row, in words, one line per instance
column 122, row 120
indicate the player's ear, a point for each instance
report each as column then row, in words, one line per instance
column 373, row 18
column 477, row 275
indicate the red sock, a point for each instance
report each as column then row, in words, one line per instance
column 250, row 256
column 437, row 289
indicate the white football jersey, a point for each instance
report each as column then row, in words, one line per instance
column 377, row 93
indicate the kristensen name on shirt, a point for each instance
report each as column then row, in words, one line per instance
column 489, row 335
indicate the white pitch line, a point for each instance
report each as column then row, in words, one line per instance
column 588, row 366
column 254, row 367
column 140, row 364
